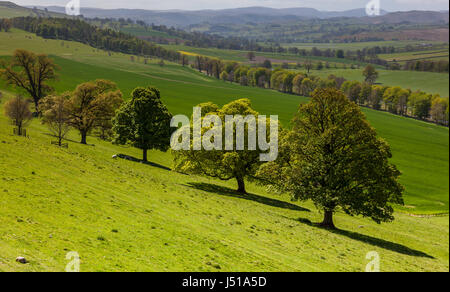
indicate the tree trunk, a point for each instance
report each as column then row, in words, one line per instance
column 144, row 155
column 241, row 185
column 328, row 220
column 83, row 138
column 36, row 106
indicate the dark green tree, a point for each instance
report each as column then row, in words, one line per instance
column 333, row 157
column 143, row 122
column 370, row 74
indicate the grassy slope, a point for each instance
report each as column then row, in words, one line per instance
column 128, row 216
column 9, row 11
column 44, row 216
column 420, row 149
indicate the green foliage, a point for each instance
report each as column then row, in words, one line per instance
column 222, row 163
column 31, row 73
column 426, row 188
column 370, row 74
column 91, row 104
column 143, row 122
column 334, row 157
column 420, row 104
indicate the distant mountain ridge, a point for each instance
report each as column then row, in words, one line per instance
column 180, row 18
column 184, row 19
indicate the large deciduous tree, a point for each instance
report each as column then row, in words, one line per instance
column 91, row 104
column 334, row 157
column 30, row 72
column 143, row 122
column 226, row 160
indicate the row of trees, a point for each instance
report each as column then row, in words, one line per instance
column 427, row 66
column 143, row 121
column 393, row 99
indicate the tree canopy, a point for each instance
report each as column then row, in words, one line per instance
column 143, row 122
column 30, row 72
column 222, row 162
column 334, row 157
column 91, row 104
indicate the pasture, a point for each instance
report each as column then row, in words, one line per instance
column 139, row 217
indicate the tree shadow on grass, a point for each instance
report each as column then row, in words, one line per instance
column 381, row 243
column 133, row 159
column 224, row 191
column 69, row 140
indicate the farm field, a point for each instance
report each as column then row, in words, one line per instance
column 360, row 45
column 432, row 55
column 153, row 219
column 241, row 56
column 435, row 83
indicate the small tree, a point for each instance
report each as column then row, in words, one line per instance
column 308, row 65
column 370, row 74
column 251, row 56
column 55, row 116
column 18, row 110
column 31, row 73
column 143, row 122
column 92, row 103
column 267, row 64
column 334, row 157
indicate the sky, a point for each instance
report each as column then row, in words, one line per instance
column 325, row 5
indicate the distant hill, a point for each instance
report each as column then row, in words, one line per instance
column 10, row 9
column 179, row 18
column 420, row 17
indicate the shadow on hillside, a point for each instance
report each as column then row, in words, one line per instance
column 224, row 191
column 134, row 159
column 381, row 243
column 69, row 140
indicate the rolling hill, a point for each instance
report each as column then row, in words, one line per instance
column 122, row 215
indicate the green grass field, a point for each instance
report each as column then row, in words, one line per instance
column 432, row 55
column 120, row 215
column 426, row 81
